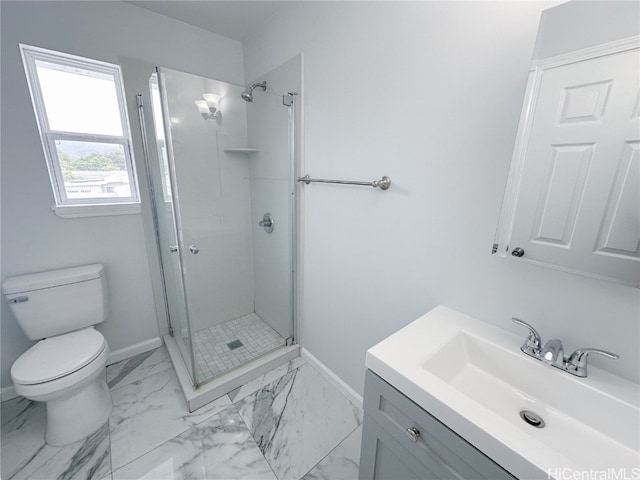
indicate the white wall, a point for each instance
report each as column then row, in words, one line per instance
column 428, row 93
column 33, row 238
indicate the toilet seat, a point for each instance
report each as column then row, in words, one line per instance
column 64, row 386
column 56, row 357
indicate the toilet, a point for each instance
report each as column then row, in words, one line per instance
column 65, row 369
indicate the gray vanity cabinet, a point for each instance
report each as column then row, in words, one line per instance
column 402, row 441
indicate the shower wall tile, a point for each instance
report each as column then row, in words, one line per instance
column 138, row 367
column 26, row 455
column 342, row 463
column 297, row 420
column 149, row 412
column 218, row 448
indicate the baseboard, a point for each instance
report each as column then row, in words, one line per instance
column 332, row 378
column 132, row 350
column 7, row 393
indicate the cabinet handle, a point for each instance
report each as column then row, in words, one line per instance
column 413, row 433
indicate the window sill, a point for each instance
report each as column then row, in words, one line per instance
column 96, row 210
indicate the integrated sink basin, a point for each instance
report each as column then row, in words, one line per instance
column 474, row 378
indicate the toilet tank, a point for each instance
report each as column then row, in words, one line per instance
column 59, row 301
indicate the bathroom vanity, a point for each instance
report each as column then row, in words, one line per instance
column 450, row 396
column 401, row 440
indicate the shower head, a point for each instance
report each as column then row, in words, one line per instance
column 247, row 95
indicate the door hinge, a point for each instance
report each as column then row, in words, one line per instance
column 494, row 249
column 289, row 341
column 139, row 101
column 287, row 100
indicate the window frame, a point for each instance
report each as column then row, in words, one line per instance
column 74, row 207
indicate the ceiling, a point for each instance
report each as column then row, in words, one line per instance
column 233, row 19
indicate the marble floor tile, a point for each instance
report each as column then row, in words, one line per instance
column 343, row 461
column 26, row 455
column 218, row 448
column 138, row 367
column 22, row 433
column 297, row 420
column 149, row 412
column 264, row 380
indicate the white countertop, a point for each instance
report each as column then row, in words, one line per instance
column 522, row 450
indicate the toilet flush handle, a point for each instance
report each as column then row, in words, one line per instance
column 20, row 299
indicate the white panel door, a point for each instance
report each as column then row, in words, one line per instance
column 579, row 200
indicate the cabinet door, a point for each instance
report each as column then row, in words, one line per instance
column 384, row 458
column 578, row 204
column 432, row 452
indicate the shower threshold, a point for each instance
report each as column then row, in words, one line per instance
column 213, row 389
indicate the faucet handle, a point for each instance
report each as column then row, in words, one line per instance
column 531, row 345
column 577, row 362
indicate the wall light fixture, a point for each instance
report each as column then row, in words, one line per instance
column 208, row 107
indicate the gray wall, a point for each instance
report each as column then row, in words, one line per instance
column 428, row 93
column 33, row 238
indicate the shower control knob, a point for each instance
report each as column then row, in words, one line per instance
column 517, row 252
column 193, row 249
column 267, row 222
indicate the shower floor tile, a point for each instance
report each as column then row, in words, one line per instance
column 216, row 349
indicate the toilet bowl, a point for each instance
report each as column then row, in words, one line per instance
column 65, row 372
column 65, row 368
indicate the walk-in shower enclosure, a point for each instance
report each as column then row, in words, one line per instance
column 221, row 175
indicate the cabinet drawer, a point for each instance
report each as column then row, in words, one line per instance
column 432, row 441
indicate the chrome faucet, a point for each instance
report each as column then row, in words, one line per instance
column 532, row 344
column 553, row 352
column 577, row 362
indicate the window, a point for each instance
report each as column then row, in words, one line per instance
column 80, row 110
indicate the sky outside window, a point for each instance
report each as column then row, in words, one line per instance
column 77, row 100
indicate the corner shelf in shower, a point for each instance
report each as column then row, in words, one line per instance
column 241, row 150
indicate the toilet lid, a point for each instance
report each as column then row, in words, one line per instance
column 58, row 356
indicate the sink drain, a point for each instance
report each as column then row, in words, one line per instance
column 532, row 419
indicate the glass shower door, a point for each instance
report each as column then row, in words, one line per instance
column 272, row 191
column 237, row 278
column 167, row 232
